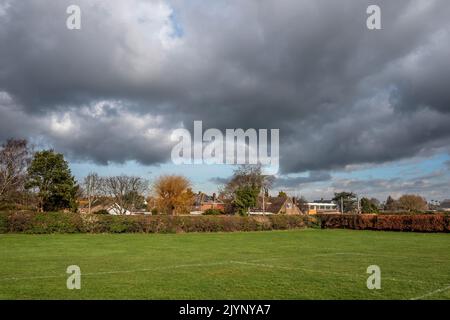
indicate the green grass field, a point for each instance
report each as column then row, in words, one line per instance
column 300, row 264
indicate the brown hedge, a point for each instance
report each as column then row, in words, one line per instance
column 41, row 223
column 414, row 223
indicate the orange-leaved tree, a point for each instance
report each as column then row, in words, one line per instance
column 173, row 194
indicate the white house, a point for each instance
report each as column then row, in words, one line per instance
column 117, row 210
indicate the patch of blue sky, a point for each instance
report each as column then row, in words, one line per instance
column 178, row 30
column 399, row 169
column 199, row 175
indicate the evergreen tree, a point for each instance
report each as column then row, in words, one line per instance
column 49, row 175
column 246, row 197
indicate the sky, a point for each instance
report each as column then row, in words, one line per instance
column 359, row 110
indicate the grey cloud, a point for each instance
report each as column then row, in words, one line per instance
column 292, row 182
column 219, row 180
column 340, row 94
column 432, row 186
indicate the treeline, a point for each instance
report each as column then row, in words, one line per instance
column 408, row 203
column 42, row 181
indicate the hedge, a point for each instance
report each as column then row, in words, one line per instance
column 414, row 223
column 45, row 223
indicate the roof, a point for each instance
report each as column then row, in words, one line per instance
column 201, row 198
column 272, row 204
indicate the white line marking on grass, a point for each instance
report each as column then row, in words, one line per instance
column 248, row 263
column 431, row 293
column 270, row 266
column 121, row 271
column 288, row 268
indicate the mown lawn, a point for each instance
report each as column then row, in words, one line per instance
column 300, row 264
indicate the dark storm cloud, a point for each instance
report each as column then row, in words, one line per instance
column 339, row 93
column 219, row 180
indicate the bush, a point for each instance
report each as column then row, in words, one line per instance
column 102, row 211
column 29, row 222
column 415, row 223
column 39, row 223
column 213, row 212
column 3, row 222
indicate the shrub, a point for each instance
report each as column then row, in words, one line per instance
column 3, row 222
column 212, row 212
column 29, row 222
column 102, row 211
column 415, row 223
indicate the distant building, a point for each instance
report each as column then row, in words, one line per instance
column 275, row 205
column 445, row 205
column 203, row 202
column 321, row 206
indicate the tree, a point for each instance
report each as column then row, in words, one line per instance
column 369, row 205
column 92, row 188
column 390, row 204
column 137, row 201
column 173, row 194
column 246, row 198
column 49, row 175
column 126, row 191
column 302, row 203
column 15, row 157
column 246, row 177
column 347, row 199
column 282, row 194
column 412, row 203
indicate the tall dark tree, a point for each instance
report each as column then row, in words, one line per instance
column 282, row 194
column 369, row 205
column 246, row 197
column 50, row 177
column 390, row 204
column 245, row 180
column 346, row 199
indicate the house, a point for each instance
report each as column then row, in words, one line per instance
column 117, row 210
column 203, row 202
column 107, row 205
column 275, row 205
column 321, row 206
column 445, row 205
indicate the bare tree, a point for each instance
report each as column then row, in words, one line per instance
column 92, row 188
column 15, row 156
column 412, row 203
column 125, row 190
